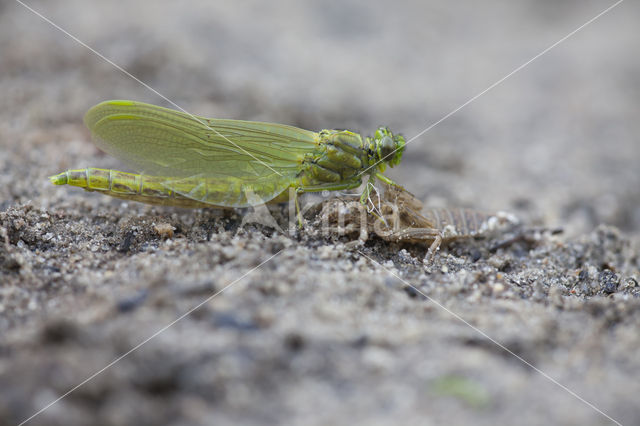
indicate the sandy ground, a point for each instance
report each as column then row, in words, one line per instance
column 307, row 329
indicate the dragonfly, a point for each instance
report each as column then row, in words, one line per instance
column 189, row 161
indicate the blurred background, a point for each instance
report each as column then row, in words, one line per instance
column 556, row 143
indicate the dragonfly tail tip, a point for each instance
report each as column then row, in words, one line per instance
column 59, row 179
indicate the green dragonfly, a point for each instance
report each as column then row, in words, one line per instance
column 189, row 161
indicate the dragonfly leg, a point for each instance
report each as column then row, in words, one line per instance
column 298, row 213
column 365, row 197
column 386, row 180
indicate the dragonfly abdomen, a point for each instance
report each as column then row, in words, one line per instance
column 129, row 186
column 190, row 192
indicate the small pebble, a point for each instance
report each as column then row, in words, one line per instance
column 164, row 230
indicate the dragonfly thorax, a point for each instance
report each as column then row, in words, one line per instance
column 342, row 157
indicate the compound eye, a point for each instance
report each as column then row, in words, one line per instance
column 387, row 146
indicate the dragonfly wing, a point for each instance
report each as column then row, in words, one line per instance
column 229, row 191
column 164, row 142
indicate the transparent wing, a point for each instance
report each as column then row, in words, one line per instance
column 162, row 141
column 229, row 191
column 213, row 153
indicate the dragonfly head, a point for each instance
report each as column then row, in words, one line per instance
column 387, row 148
